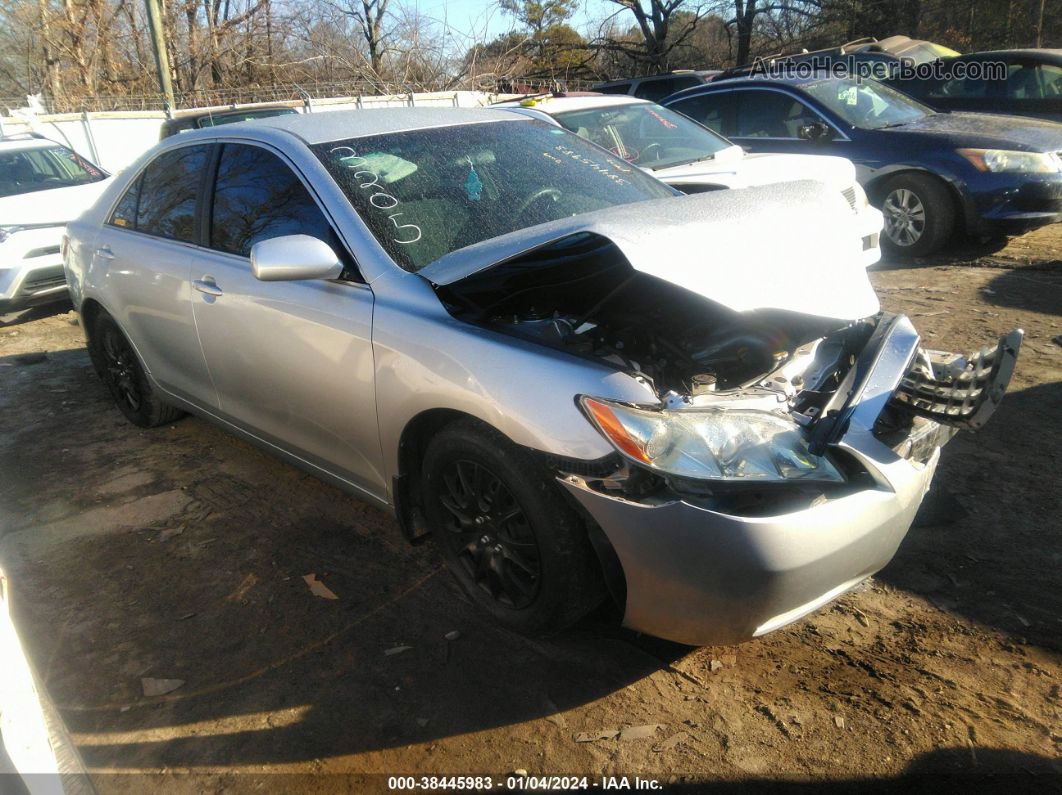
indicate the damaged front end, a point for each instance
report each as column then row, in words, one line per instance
column 748, row 401
column 784, row 457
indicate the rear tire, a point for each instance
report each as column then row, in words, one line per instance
column 506, row 532
column 919, row 215
column 119, row 368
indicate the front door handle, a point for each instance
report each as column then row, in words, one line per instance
column 207, row 285
column 104, row 252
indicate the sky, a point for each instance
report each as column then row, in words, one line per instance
column 482, row 19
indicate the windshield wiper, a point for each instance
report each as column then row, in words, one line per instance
column 683, row 163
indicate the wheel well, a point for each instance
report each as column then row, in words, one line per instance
column 414, row 442
column 90, row 311
column 411, row 447
column 876, row 188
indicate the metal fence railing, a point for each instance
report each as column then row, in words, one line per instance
column 292, row 92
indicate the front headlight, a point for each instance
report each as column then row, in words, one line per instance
column 1000, row 160
column 711, row 443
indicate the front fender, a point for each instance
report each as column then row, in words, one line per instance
column 425, row 360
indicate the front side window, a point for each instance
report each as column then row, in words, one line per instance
column 256, row 197
column 771, row 114
column 425, row 193
column 169, row 187
column 867, row 104
column 650, row 136
column 44, row 168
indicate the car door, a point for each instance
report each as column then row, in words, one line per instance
column 292, row 360
column 145, row 247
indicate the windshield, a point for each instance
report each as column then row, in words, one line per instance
column 867, row 104
column 44, row 168
column 425, row 193
column 644, row 134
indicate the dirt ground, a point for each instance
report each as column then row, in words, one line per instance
column 179, row 553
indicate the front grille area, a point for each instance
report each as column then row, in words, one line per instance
column 36, row 284
column 41, row 252
column 959, row 391
column 849, row 194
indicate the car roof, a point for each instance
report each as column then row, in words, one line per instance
column 737, row 82
column 222, row 112
column 552, row 105
column 1045, row 53
column 337, row 125
column 15, row 144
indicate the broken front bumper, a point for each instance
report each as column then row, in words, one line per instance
column 701, row 576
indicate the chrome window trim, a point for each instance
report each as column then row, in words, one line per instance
column 196, row 246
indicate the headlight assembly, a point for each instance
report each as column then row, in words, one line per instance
column 736, row 445
column 1005, row 160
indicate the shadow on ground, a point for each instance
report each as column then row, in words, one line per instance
column 956, row 253
column 1030, row 291
column 34, row 313
column 979, row 545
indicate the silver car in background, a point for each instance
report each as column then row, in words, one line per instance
column 581, row 383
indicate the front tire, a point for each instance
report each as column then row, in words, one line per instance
column 119, row 367
column 505, row 531
column 919, row 215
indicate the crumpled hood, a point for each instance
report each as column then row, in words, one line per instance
column 56, row 206
column 990, row 130
column 744, row 171
column 790, row 246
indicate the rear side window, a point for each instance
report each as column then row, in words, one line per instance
column 619, row 88
column 258, row 197
column 1034, row 81
column 168, row 190
column 124, row 214
column 709, row 109
column 656, row 90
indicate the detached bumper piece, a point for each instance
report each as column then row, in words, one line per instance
column 956, row 390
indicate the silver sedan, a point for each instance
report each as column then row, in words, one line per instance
column 583, row 385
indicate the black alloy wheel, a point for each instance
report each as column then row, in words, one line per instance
column 490, row 535
column 120, row 370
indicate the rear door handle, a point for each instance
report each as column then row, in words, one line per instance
column 207, row 285
column 104, row 252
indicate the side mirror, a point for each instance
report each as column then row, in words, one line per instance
column 816, row 131
column 294, row 258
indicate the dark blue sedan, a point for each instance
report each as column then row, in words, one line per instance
column 932, row 174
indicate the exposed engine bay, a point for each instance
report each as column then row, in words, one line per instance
column 581, row 296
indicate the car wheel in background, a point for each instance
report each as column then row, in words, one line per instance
column 505, row 531
column 919, row 215
column 119, row 367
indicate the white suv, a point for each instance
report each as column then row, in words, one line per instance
column 43, row 185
